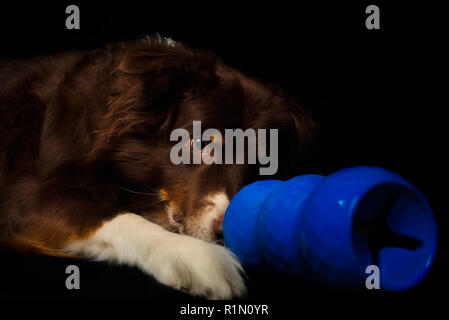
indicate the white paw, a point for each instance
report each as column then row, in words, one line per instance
column 189, row 264
column 197, row 267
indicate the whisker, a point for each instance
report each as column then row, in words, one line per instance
column 138, row 192
column 149, row 205
column 149, row 188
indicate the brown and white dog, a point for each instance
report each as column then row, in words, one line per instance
column 84, row 158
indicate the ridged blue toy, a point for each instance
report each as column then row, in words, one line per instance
column 334, row 227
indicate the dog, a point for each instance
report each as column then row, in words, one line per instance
column 84, row 158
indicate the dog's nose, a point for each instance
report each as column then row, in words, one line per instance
column 218, row 234
column 217, row 228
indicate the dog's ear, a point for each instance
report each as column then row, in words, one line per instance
column 168, row 70
column 273, row 108
column 161, row 76
column 146, row 88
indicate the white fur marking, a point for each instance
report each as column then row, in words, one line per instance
column 180, row 261
column 220, row 202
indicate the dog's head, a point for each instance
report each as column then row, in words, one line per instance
column 163, row 87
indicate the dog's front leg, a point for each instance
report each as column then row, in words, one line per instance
column 180, row 261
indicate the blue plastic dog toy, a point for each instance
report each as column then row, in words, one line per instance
column 334, row 227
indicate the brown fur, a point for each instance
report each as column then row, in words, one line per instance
column 85, row 135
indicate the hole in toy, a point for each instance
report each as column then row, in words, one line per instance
column 371, row 224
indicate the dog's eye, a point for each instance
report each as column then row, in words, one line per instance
column 199, row 145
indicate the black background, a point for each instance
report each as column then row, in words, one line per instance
column 369, row 89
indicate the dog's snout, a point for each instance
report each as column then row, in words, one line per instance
column 205, row 222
